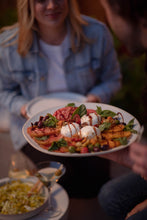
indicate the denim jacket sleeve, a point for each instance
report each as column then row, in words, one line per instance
column 109, row 72
column 94, row 69
column 10, row 93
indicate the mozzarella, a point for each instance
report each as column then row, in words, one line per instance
column 91, row 119
column 89, row 132
column 70, row 129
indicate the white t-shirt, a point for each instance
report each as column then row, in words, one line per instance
column 56, row 55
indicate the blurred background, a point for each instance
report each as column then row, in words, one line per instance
column 129, row 98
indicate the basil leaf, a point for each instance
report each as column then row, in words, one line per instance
column 104, row 126
column 105, row 113
column 71, row 104
column 99, row 110
column 81, row 110
column 122, row 140
column 57, row 144
column 62, row 142
column 43, row 138
column 133, row 131
column 51, row 121
column 53, row 147
column 131, row 123
column 129, row 126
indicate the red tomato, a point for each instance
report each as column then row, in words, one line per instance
column 84, row 150
column 77, row 119
column 64, row 113
column 90, row 111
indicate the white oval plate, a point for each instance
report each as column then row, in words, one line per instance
column 27, row 214
column 52, row 100
column 127, row 117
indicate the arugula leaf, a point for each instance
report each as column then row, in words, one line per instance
column 51, row 121
column 43, row 138
column 81, row 110
column 122, row 140
column 129, row 126
column 104, row 126
column 105, row 113
column 71, row 104
column 57, row 144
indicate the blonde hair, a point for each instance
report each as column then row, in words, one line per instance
column 27, row 24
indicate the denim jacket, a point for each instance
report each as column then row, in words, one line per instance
column 93, row 70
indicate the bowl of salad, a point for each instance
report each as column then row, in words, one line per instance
column 18, row 201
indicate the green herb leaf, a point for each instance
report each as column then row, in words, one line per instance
column 81, row 110
column 71, row 104
column 57, row 144
column 99, row 110
column 51, row 121
column 122, row 140
column 129, row 126
column 117, row 122
column 43, row 138
column 53, row 147
column 105, row 113
column 133, row 131
column 105, row 126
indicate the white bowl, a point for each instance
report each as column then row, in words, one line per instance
column 30, row 213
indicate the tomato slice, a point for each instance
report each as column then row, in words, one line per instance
column 49, row 141
column 77, row 119
column 91, row 111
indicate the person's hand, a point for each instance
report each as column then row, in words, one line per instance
column 137, row 208
column 23, row 111
column 92, row 98
column 138, row 154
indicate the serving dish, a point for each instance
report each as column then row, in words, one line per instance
column 127, row 117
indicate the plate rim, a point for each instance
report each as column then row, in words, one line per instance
column 37, row 147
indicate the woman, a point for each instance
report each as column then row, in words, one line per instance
column 53, row 48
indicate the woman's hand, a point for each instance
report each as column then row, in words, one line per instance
column 23, row 111
column 137, row 208
column 138, row 154
column 92, row 98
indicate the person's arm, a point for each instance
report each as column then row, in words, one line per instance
column 10, row 92
column 121, row 157
column 134, row 157
column 138, row 208
column 23, row 111
column 109, row 76
column 93, row 98
column 138, row 154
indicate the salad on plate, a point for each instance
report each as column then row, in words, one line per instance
column 81, row 129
